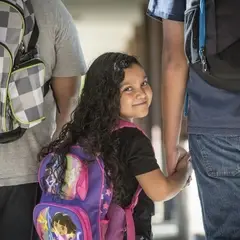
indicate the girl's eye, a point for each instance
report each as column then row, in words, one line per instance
column 128, row 89
column 145, row 83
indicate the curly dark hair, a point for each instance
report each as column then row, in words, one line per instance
column 96, row 116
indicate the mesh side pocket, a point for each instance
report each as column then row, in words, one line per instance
column 25, row 93
column 12, row 25
column 5, row 69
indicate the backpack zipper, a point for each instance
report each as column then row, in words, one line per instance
column 33, row 62
column 203, row 60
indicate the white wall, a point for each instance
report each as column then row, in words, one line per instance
column 105, row 27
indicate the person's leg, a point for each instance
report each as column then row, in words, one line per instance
column 216, row 161
column 16, row 211
column 38, row 198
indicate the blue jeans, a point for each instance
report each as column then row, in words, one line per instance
column 216, row 161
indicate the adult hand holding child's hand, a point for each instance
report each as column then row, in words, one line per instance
column 184, row 164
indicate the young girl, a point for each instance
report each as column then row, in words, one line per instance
column 116, row 87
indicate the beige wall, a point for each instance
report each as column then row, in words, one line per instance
column 106, row 26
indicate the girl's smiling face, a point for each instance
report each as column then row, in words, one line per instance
column 136, row 94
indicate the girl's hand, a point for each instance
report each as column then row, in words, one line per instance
column 184, row 165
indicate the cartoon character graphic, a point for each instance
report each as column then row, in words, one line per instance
column 63, row 227
column 52, row 174
column 44, row 225
column 72, row 173
column 59, row 227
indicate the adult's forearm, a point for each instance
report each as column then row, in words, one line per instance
column 66, row 108
column 173, row 92
column 66, row 91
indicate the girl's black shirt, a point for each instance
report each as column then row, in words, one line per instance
column 136, row 152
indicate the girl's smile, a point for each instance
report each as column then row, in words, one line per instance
column 136, row 94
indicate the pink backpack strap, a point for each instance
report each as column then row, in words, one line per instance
column 129, row 210
column 129, row 215
column 124, row 123
column 135, row 198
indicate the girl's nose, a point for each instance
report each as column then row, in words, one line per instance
column 141, row 94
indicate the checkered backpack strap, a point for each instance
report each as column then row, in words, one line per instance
column 21, row 70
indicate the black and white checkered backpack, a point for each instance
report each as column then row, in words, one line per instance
column 21, row 70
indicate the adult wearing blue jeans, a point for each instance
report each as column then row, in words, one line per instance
column 213, row 127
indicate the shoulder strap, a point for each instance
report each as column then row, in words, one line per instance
column 135, row 198
column 125, row 123
column 22, row 54
column 129, row 210
column 202, row 34
column 122, row 124
column 129, row 215
column 34, row 37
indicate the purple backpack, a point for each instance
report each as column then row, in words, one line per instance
column 85, row 211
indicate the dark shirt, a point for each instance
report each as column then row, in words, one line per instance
column 211, row 110
column 136, row 152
